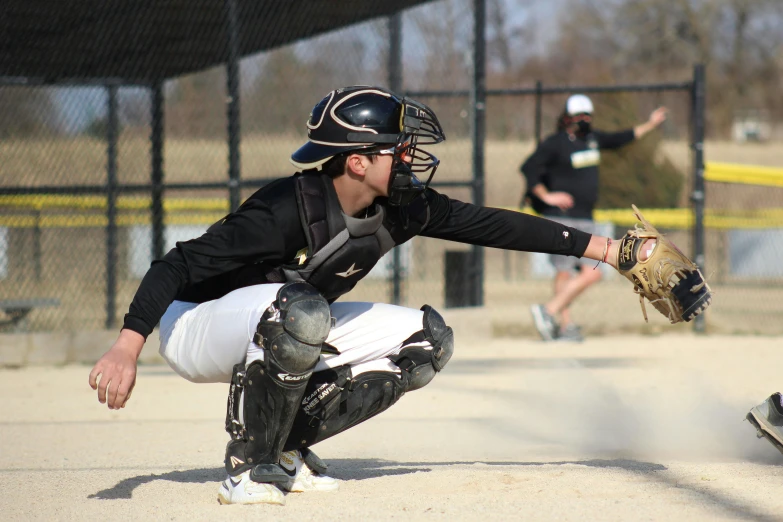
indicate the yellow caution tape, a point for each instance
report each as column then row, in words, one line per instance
column 683, row 218
column 745, row 174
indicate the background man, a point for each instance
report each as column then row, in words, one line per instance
column 562, row 185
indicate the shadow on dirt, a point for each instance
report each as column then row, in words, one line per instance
column 363, row 469
column 359, row 469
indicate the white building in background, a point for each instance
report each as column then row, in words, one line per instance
column 751, row 126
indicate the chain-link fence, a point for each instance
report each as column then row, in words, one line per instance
column 101, row 177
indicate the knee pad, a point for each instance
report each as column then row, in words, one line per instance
column 295, row 331
column 419, row 365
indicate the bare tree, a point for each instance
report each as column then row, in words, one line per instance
column 740, row 42
column 443, row 58
column 195, row 105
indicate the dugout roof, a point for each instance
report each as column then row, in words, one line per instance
column 145, row 41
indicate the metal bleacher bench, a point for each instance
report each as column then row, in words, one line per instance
column 15, row 310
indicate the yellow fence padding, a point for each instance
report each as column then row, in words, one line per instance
column 42, row 210
column 50, row 201
column 682, row 218
column 745, row 174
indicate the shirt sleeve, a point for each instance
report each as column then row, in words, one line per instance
column 536, row 166
column 455, row 220
column 245, row 236
column 614, row 140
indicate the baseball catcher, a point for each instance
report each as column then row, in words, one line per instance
column 562, row 183
column 254, row 302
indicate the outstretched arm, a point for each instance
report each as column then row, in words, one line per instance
column 657, row 117
column 603, row 250
column 455, row 220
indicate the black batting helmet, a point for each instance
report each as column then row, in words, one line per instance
column 370, row 118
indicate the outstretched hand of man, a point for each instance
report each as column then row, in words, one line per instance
column 114, row 375
column 657, row 117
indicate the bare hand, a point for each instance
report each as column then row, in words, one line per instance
column 658, row 116
column 117, row 370
column 561, row 200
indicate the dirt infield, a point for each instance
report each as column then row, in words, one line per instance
column 616, row 428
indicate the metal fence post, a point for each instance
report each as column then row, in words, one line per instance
column 478, row 131
column 111, row 206
column 698, row 195
column 156, row 175
column 395, row 84
column 232, row 78
column 539, row 98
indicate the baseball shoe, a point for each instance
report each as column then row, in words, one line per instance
column 304, row 478
column 243, row 490
column 545, row 324
column 767, row 418
column 570, row 332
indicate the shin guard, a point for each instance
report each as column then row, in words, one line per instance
column 335, row 401
column 271, row 389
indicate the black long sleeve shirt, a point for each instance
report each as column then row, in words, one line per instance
column 267, row 229
column 566, row 163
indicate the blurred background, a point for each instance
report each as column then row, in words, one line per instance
column 102, row 169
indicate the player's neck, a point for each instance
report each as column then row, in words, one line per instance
column 354, row 197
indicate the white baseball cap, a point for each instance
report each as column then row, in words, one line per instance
column 579, row 104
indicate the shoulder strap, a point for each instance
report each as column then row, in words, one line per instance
column 319, row 210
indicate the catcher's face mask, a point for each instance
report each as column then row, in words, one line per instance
column 411, row 164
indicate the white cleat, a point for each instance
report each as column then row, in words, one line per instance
column 242, row 490
column 767, row 418
column 304, row 478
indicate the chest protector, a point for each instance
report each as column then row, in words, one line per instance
column 341, row 249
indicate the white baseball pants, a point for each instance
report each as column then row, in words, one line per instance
column 203, row 342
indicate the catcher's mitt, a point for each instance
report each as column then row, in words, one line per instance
column 671, row 282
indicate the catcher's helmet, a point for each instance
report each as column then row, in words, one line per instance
column 362, row 118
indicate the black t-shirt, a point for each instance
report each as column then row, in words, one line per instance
column 266, row 231
column 565, row 163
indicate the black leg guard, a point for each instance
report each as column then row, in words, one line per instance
column 420, row 365
column 338, row 403
column 334, row 402
column 273, row 388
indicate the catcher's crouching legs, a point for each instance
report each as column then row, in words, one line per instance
column 337, row 400
column 268, row 392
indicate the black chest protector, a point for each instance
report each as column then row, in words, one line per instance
column 341, row 249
